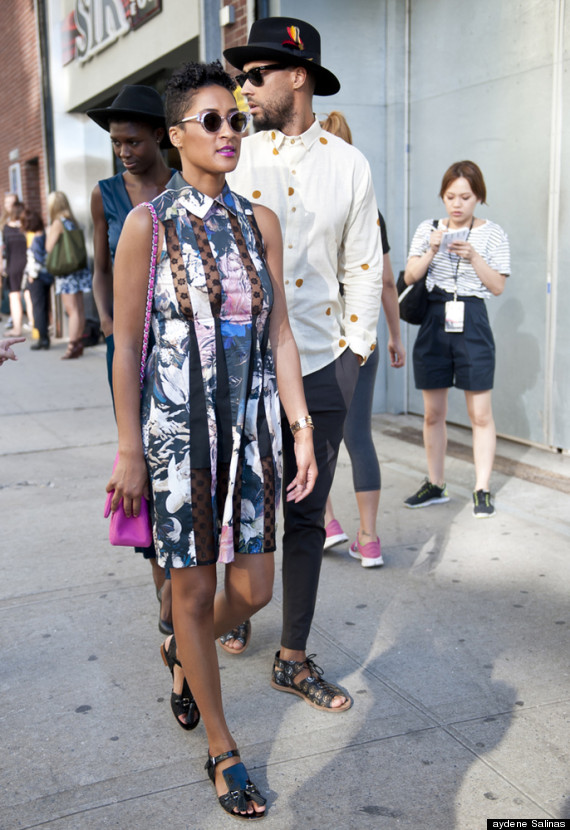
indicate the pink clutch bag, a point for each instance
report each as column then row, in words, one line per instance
column 133, row 532
column 125, row 530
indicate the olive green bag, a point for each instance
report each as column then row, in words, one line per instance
column 68, row 254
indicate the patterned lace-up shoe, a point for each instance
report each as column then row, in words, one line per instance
column 482, row 505
column 428, row 494
column 314, row 689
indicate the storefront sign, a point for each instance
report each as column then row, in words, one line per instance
column 95, row 25
column 142, row 10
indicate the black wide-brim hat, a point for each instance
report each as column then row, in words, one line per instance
column 289, row 41
column 135, row 102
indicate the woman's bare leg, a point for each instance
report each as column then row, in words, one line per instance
column 200, row 615
column 435, row 433
column 329, row 512
column 16, row 313
column 29, row 307
column 368, row 502
column 75, row 310
column 247, row 589
column 480, row 413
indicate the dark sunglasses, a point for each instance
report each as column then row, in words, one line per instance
column 254, row 76
column 212, row 121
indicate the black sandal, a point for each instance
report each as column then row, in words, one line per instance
column 240, row 788
column 183, row 704
column 242, row 633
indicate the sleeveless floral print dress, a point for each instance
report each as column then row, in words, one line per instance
column 210, row 409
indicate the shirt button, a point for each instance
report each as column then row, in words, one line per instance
column 293, row 209
column 292, row 141
column 289, row 246
column 293, row 172
column 286, row 282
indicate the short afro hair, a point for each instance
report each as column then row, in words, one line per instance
column 186, row 81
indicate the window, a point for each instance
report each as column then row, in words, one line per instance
column 15, row 179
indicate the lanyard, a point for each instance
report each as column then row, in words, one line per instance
column 458, row 260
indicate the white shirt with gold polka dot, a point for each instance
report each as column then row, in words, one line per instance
column 321, row 189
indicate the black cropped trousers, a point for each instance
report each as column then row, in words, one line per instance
column 328, row 392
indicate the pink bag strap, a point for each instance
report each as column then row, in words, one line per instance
column 150, row 292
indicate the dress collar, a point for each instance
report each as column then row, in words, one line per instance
column 196, row 202
column 307, row 138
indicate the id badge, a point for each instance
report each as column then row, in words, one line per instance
column 454, row 316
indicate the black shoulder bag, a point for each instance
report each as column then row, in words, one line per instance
column 413, row 299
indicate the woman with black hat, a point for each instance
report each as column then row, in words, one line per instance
column 135, row 122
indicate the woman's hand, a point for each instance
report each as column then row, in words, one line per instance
column 304, row 481
column 491, row 279
column 435, row 241
column 129, row 481
column 463, row 249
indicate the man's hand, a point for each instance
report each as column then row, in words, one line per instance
column 6, row 352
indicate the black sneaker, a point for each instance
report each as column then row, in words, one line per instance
column 428, row 494
column 482, row 505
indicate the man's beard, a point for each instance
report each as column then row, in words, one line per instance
column 275, row 116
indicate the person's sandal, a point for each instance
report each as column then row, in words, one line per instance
column 240, row 788
column 182, row 705
column 241, row 633
column 314, row 690
column 74, row 350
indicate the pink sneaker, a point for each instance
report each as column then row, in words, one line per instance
column 335, row 534
column 370, row 555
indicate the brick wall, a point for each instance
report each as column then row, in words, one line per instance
column 21, row 103
column 236, row 34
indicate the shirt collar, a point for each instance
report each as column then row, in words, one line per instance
column 307, row 138
column 197, row 202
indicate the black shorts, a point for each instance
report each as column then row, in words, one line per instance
column 15, row 281
column 443, row 359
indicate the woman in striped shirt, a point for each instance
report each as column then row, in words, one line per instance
column 455, row 345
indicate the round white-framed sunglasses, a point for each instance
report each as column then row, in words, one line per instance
column 212, row 121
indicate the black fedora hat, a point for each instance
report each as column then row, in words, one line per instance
column 289, row 41
column 135, row 102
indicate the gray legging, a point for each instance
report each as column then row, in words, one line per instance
column 358, row 430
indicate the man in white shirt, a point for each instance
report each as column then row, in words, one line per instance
column 321, row 189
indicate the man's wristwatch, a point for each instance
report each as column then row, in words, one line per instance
column 302, row 423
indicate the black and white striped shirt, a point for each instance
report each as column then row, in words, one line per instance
column 489, row 240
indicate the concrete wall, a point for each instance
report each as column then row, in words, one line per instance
column 481, row 87
column 558, row 379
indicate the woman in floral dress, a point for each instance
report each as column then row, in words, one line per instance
column 209, row 443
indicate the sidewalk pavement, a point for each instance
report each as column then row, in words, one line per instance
column 456, row 651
